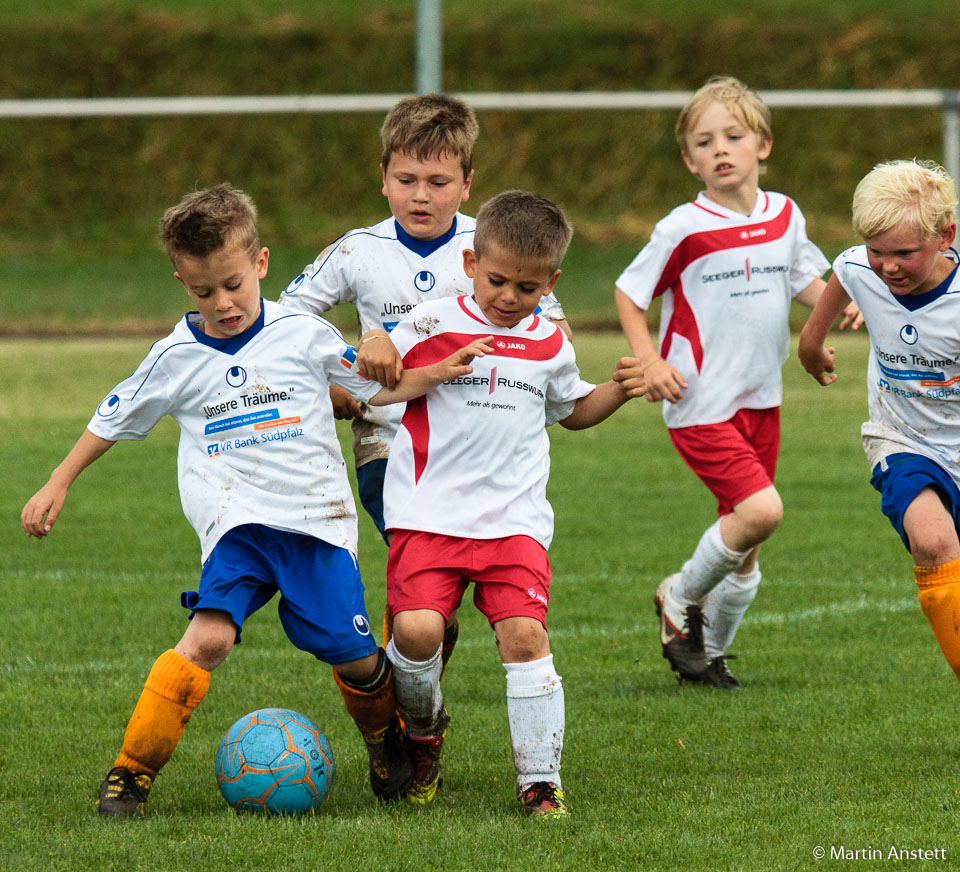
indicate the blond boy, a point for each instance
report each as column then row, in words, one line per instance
column 727, row 266
column 905, row 280
column 465, row 490
column 262, row 481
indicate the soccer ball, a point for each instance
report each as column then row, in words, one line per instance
column 274, row 761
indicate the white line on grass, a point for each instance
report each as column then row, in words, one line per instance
column 27, row 665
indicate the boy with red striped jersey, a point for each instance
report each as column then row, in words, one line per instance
column 465, row 489
column 906, row 282
column 727, row 267
column 262, row 481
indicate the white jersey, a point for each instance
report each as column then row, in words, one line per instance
column 385, row 272
column 913, row 375
column 727, row 281
column 258, row 443
column 472, row 456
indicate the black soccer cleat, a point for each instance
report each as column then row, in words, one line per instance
column 718, row 674
column 124, row 793
column 681, row 646
column 391, row 770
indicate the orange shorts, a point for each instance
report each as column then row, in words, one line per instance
column 511, row 575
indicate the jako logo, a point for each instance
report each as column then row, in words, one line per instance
column 109, row 406
column 909, row 334
column 236, row 376
column 537, row 596
column 361, row 625
column 424, row 281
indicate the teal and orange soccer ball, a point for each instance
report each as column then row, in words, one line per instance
column 274, row 761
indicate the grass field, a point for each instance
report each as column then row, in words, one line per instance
column 844, row 736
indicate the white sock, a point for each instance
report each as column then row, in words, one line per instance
column 724, row 608
column 536, row 714
column 419, row 698
column 710, row 562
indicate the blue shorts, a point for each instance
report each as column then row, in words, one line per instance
column 370, row 490
column 321, row 594
column 906, row 475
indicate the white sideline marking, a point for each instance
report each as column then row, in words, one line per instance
column 27, row 665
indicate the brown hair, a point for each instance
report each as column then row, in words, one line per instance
column 527, row 225
column 206, row 221
column 430, row 125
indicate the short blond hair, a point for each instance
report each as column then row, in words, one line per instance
column 430, row 125
column 741, row 102
column 920, row 192
column 524, row 224
column 209, row 220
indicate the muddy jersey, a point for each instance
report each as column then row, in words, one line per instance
column 472, row 456
column 257, row 438
column 727, row 281
column 385, row 272
column 913, row 374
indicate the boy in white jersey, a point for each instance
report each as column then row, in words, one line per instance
column 465, row 490
column 727, row 266
column 905, row 281
column 414, row 255
column 262, row 481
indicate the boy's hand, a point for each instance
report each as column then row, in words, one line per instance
column 819, row 362
column 345, row 407
column 42, row 510
column 629, row 377
column 378, row 360
column 458, row 363
column 852, row 317
column 663, row 382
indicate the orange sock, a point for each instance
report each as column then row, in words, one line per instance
column 372, row 708
column 172, row 691
column 939, row 594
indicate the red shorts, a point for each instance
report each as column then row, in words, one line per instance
column 429, row 571
column 734, row 459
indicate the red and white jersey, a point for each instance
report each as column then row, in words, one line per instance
column 913, row 375
column 258, row 443
column 385, row 272
column 727, row 281
column 472, row 457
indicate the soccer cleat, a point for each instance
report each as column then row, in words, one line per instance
column 425, row 754
column 124, row 793
column 543, row 800
column 682, row 646
column 718, row 674
column 391, row 771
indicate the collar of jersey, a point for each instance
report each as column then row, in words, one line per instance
column 229, row 344
column 912, row 302
column 424, row 247
column 761, row 206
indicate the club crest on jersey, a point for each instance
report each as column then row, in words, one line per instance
column 361, row 625
column 236, row 376
column 909, row 334
column 109, row 406
column 424, row 281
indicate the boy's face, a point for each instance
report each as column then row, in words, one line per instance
column 908, row 262
column 507, row 288
column 724, row 152
column 424, row 195
column 225, row 286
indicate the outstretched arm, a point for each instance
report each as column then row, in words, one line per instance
column 816, row 359
column 663, row 381
column 605, row 399
column 417, row 381
column 43, row 508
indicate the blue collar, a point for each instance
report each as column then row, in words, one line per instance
column 230, row 344
column 912, row 302
column 424, row 247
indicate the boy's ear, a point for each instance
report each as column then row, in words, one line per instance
column 690, row 164
column 548, row 289
column 766, row 144
column 465, row 193
column 262, row 261
column 383, row 176
column 470, row 262
column 949, row 236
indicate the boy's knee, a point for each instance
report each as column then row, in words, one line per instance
column 932, row 548
column 760, row 515
column 521, row 640
column 417, row 634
